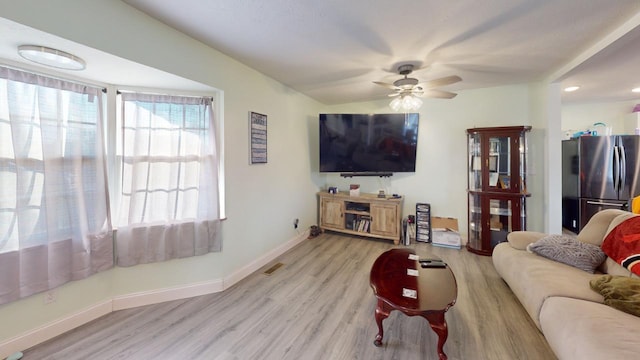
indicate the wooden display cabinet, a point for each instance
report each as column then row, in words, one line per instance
column 363, row 215
column 497, row 185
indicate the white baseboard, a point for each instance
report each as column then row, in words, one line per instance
column 54, row 328
column 167, row 294
column 121, row 302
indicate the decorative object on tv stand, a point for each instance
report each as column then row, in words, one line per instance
column 257, row 138
column 407, row 90
column 354, row 190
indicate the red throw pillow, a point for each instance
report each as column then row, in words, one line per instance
column 622, row 244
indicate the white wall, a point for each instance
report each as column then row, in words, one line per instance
column 581, row 116
column 548, row 119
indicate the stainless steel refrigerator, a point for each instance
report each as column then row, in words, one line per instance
column 598, row 172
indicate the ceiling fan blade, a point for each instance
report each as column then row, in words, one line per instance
column 394, row 94
column 388, row 86
column 439, row 94
column 448, row 80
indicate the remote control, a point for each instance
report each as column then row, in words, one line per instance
column 426, row 265
column 432, row 263
column 427, row 261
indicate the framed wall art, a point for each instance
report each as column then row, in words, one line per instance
column 257, row 138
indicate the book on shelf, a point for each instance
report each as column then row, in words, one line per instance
column 361, row 224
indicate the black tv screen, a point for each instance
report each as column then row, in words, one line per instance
column 369, row 143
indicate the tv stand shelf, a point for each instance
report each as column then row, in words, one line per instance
column 364, row 215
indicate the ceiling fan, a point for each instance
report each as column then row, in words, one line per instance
column 411, row 86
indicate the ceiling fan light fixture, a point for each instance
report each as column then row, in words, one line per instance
column 411, row 103
column 395, row 104
column 51, row 57
column 407, row 90
column 406, row 103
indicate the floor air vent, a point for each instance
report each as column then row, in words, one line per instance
column 273, row 269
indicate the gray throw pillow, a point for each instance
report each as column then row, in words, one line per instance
column 568, row 250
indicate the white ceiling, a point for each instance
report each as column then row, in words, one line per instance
column 332, row 50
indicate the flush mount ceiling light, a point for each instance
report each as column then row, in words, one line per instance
column 51, row 57
column 571, row 88
column 406, row 102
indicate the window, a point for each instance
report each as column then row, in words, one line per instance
column 167, row 206
column 54, row 223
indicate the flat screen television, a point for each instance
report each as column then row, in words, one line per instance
column 368, row 143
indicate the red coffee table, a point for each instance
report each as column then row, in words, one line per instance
column 435, row 291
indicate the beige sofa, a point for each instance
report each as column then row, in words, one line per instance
column 559, row 300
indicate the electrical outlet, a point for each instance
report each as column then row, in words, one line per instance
column 295, row 223
column 50, row 296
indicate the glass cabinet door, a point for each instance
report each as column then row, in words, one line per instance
column 499, row 163
column 492, row 216
column 523, row 150
column 475, row 162
column 500, row 220
column 475, row 221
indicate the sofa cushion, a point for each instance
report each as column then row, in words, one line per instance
column 619, row 292
column 617, row 221
column 598, row 226
column 622, row 244
column 533, row 278
column 611, row 267
column 578, row 329
column 567, row 250
column 521, row 239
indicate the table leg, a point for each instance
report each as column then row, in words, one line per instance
column 439, row 326
column 382, row 312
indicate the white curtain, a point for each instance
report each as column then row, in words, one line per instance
column 168, row 203
column 54, row 223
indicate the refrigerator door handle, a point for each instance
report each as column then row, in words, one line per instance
column 605, row 204
column 616, row 168
column 623, row 167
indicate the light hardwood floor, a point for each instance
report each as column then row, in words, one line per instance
column 317, row 306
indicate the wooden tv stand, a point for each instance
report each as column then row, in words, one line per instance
column 363, row 215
